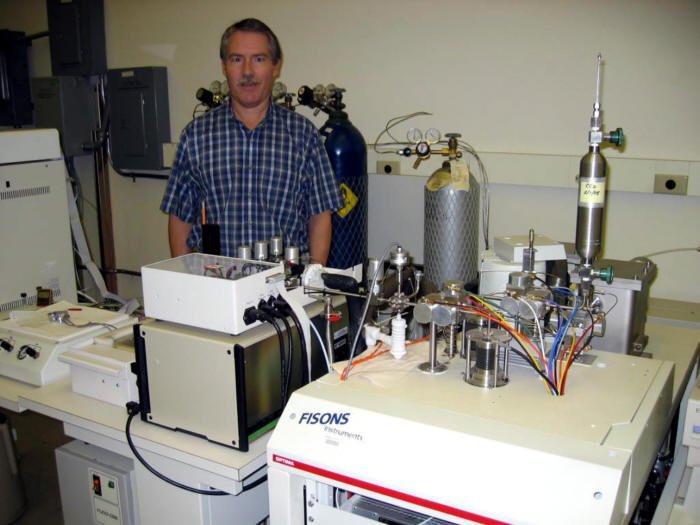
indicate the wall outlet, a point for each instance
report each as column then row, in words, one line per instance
column 389, row 167
column 671, row 184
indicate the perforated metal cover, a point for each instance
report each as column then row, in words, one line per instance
column 450, row 244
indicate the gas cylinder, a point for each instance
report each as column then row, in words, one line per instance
column 348, row 155
column 451, row 229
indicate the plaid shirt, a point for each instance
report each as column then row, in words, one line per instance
column 256, row 184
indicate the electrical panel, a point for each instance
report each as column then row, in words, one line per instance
column 67, row 104
column 77, row 37
column 15, row 101
column 140, row 117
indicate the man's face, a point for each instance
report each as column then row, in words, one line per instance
column 249, row 69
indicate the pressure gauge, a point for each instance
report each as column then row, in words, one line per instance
column 414, row 135
column 319, row 92
column 215, row 87
column 279, row 89
column 432, row 135
column 422, row 149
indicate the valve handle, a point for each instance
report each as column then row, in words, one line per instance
column 617, row 137
column 606, row 274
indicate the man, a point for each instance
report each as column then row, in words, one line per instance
column 259, row 170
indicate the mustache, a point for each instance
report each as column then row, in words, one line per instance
column 248, row 80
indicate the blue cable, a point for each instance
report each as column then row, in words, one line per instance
column 560, row 333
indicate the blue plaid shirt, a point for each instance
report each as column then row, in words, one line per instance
column 256, row 184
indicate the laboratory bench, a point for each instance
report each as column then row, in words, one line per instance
column 196, row 462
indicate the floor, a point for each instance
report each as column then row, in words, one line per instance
column 37, row 438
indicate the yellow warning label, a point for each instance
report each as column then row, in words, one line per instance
column 350, row 200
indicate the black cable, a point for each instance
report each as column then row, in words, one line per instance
column 133, row 409
column 262, row 316
column 287, row 373
column 284, row 307
column 132, row 412
column 530, row 362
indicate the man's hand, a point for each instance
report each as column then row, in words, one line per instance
column 178, row 231
column 319, row 237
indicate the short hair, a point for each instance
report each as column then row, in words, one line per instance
column 252, row 25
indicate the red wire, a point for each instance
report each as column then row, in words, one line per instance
column 570, row 359
column 508, row 328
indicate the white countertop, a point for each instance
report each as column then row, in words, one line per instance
column 58, row 401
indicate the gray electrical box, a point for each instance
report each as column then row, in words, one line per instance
column 77, row 37
column 69, row 105
column 96, row 485
column 140, row 117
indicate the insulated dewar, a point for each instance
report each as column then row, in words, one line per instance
column 324, row 418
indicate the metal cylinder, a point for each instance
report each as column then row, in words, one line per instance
column 276, row 248
column 451, row 229
column 244, row 252
column 347, row 152
column 487, row 357
column 260, row 251
column 374, row 266
column 451, row 348
column 291, row 254
column 432, row 365
column 591, row 205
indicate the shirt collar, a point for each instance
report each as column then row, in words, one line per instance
column 270, row 116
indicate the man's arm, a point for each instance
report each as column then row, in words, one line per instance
column 320, row 237
column 178, row 231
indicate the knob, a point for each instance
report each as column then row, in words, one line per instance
column 617, row 137
column 606, row 274
column 26, row 350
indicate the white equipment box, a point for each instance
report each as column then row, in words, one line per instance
column 101, row 367
column 97, row 486
column 35, row 230
column 31, row 342
column 510, row 248
column 434, row 447
column 208, row 291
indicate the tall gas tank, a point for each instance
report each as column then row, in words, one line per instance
column 451, row 228
column 348, row 155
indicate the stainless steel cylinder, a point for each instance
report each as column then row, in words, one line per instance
column 451, row 348
column 260, row 251
column 276, row 247
column 591, row 205
column 487, row 357
column 244, row 252
column 432, row 365
column 291, row 254
column 374, row 266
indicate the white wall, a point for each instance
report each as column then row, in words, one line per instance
column 511, row 76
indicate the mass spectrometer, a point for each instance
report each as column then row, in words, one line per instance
column 502, row 414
